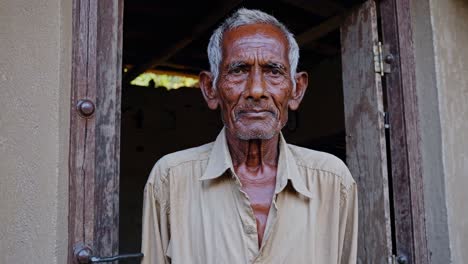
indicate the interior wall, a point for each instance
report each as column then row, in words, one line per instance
column 35, row 41
column 321, row 113
column 450, row 23
column 440, row 37
column 155, row 122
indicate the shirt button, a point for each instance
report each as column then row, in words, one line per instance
column 250, row 229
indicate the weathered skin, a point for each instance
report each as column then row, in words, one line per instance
column 254, row 92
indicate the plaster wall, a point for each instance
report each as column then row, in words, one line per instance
column 440, row 35
column 35, row 68
column 450, row 24
column 431, row 141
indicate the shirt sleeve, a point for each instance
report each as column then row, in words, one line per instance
column 155, row 222
column 349, row 225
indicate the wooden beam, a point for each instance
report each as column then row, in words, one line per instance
column 310, row 37
column 181, row 67
column 194, row 33
column 144, row 8
column 321, row 30
column 322, row 48
column 320, row 8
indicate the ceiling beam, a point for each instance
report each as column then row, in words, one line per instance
column 323, row 8
column 165, row 54
column 195, row 69
column 317, row 32
column 313, row 34
column 322, row 48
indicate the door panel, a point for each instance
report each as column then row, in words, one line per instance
column 95, row 126
column 404, row 138
column 365, row 141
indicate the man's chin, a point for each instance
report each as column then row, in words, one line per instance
column 253, row 134
column 252, row 131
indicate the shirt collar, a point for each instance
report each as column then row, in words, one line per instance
column 220, row 160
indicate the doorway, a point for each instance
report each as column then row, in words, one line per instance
column 157, row 120
column 120, row 129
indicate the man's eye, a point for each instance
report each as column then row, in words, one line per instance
column 237, row 71
column 275, row 71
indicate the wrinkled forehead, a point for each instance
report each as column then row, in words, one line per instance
column 260, row 39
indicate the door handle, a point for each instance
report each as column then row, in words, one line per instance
column 84, row 255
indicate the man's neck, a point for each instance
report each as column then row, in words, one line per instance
column 253, row 155
column 255, row 163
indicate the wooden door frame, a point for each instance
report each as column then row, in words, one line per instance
column 95, row 140
column 94, row 161
column 404, row 133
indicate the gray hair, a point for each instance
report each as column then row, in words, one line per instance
column 243, row 17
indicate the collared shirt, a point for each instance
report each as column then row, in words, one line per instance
column 196, row 212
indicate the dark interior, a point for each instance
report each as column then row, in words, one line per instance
column 172, row 36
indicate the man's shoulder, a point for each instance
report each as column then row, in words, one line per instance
column 180, row 158
column 187, row 155
column 321, row 161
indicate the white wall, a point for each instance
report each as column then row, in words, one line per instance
column 441, row 35
column 35, row 60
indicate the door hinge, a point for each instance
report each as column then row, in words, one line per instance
column 386, row 120
column 383, row 59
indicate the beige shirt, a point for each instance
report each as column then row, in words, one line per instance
column 196, row 212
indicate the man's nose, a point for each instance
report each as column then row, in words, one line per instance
column 256, row 86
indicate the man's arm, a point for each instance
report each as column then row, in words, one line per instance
column 349, row 225
column 155, row 233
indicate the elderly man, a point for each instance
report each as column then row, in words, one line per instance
column 249, row 197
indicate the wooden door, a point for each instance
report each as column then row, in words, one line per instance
column 365, row 133
column 95, row 126
column 403, row 133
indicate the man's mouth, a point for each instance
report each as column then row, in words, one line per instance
column 255, row 113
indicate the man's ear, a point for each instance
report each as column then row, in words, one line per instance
column 208, row 89
column 302, row 80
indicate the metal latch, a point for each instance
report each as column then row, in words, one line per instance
column 383, row 59
column 84, row 255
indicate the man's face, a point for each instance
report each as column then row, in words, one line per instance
column 255, row 88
